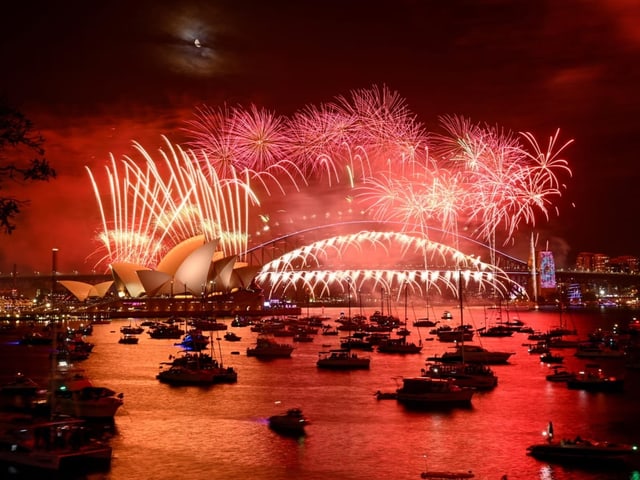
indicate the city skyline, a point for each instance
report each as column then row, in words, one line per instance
column 105, row 89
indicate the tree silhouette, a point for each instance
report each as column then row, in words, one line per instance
column 21, row 161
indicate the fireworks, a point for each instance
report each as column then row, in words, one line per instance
column 302, row 267
column 153, row 207
column 367, row 150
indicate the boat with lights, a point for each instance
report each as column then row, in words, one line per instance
column 582, row 450
column 292, row 422
column 425, row 392
column 341, row 359
column 59, row 446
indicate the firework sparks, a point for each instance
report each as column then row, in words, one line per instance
column 366, row 149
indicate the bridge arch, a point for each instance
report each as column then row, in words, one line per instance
column 377, row 259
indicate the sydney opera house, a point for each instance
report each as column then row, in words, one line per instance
column 193, row 277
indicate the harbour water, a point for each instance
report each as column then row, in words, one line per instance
column 221, row 432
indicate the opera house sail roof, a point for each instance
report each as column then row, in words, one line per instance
column 193, row 267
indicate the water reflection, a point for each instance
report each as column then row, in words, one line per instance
column 166, row 432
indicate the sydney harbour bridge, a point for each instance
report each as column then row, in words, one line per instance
column 365, row 258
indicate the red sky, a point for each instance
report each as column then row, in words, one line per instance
column 95, row 76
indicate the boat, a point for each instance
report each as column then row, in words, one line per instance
column 473, row 354
column 240, row 321
column 582, row 451
column 196, row 368
column 52, row 446
column 424, row 322
column 327, row 330
column 128, row 339
column 268, row 348
column 495, row 331
column 131, row 329
column 208, row 324
column 549, row 357
column 403, row 332
column 21, row 394
column 472, row 375
column 398, row 345
column 425, row 392
column 166, row 331
column 292, row 422
column 36, row 338
column 181, row 375
column 540, row 347
column 354, row 343
column 75, row 395
column 194, row 340
column 342, row 359
column 461, row 333
column 232, row 337
column 447, row 315
column 560, row 374
column 593, row 379
column 516, row 325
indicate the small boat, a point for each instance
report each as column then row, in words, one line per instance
column 447, row 315
column 302, row 337
column 593, row 379
column 21, row 394
column 341, row 359
column 540, row 347
column 292, row 422
column 398, row 345
column 36, row 338
column 269, row 348
column 54, row 446
column 560, row 375
column 403, row 332
column 182, row 375
column 354, row 343
column 472, row 375
column 232, row 337
column 194, row 341
column 166, row 331
column 581, row 451
column 424, row 322
column 473, row 354
column 208, row 325
column 75, row 395
column 128, row 339
column 516, row 325
column 327, row 330
column 131, row 329
column 425, row 392
column 462, row 333
column 495, row 331
column 551, row 358
column 196, row 368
